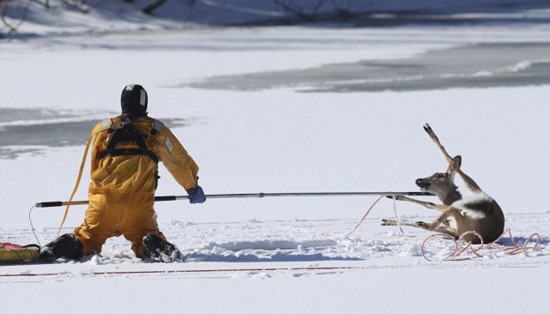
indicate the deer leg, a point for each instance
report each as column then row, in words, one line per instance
column 434, row 138
column 433, row 226
column 430, row 205
column 455, row 167
column 393, row 222
column 418, row 224
column 446, row 223
column 443, row 224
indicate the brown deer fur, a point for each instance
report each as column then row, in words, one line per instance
column 477, row 213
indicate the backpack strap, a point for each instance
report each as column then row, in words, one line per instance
column 123, row 131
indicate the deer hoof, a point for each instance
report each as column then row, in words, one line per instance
column 422, row 224
column 388, row 222
column 428, row 128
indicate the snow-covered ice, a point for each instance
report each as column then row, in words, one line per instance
column 295, row 255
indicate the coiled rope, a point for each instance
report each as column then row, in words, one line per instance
column 472, row 251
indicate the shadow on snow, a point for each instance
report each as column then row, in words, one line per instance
column 270, row 251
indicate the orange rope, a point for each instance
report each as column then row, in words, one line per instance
column 77, row 184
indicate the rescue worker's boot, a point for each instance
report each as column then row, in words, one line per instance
column 159, row 250
column 66, row 246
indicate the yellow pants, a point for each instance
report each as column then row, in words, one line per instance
column 114, row 213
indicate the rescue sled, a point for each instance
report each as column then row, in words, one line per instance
column 14, row 254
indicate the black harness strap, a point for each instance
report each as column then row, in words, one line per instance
column 128, row 133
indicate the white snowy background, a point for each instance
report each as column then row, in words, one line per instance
column 72, row 67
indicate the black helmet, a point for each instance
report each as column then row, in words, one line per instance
column 134, row 100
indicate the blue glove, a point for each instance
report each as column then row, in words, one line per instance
column 196, row 195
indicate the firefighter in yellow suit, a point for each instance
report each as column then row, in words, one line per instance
column 124, row 173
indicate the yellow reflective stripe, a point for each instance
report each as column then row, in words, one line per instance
column 106, row 123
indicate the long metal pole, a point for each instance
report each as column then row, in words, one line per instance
column 247, row 195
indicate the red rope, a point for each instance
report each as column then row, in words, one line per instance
column 395, row 214
column 191, row 271
column 515, row 248
column 461, row 246
column 370, row 209
column 364, row 216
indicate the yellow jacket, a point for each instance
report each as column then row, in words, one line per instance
column 124, row 179
column 119, row 172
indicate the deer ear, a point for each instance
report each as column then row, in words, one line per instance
column 457, row 162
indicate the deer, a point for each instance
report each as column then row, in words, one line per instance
column 476, row 219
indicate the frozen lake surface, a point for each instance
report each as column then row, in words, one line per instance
column 469, row 66
column 28, row 130
column 464, row 65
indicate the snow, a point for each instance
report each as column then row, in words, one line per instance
column 288, row 254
